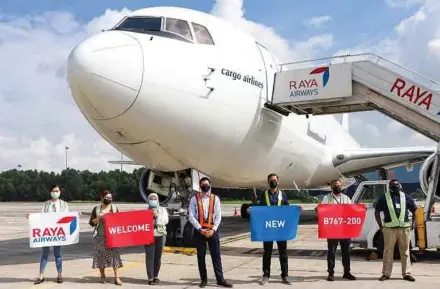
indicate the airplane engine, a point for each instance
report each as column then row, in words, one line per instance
column 425, row 174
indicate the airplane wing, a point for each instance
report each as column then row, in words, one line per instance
column 364, row 160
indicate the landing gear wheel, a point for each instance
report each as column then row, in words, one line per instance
column 188, row 236
column 243, row 211
column 380, row 247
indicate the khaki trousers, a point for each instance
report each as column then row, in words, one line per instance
column 403, row 238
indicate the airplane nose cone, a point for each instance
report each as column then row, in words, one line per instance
column 105, row 74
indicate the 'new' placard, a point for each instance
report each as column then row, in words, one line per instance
column 274, row 223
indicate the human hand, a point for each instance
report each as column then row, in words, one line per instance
column 27, row 216
column 80, row 214
column 155, row 213
column 248, row 210
column 210, row 233
column 204, row 232
column 301, row 207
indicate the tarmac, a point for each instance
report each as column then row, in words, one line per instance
column 241, row 258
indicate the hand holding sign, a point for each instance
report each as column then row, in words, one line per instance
column 340, row 221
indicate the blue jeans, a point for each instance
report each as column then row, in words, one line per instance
column 45, row 257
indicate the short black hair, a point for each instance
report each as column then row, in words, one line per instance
column 334, row 181
column 204, row 179
column 272, row 175
column 394, row 181
column 53, row 186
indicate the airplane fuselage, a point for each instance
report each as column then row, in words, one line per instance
column 171, row 105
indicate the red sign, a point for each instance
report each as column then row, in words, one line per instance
column 340, row 221
column 132, row 228
column 412, row 93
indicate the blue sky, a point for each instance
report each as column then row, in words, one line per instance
column 38, row 116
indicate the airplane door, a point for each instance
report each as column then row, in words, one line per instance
column 271, row 68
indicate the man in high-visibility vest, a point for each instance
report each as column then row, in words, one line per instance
column 274, row 197
column 337, row 197
column 395, row 206
column 205, row 215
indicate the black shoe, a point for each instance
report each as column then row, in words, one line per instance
column 156, row 280
column 348, row 276
column 39, row 281
column 409, row 278
column 224, row 284
column 286, row 281
column 330, row 277
column 203, row 284
column 383, row 278
column 263, row 280
column 151, row 282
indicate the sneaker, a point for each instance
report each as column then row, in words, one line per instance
column 383, row 278
column 286, row 281
column 331, row 277
column 348, row 276
column 264, row 280
column 409, row 278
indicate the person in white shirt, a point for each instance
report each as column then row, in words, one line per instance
column 153, row 252
column 337, row 197
column 55, row 204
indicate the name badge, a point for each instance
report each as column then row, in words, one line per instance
column 397, row 206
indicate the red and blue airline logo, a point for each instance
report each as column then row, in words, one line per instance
column 73, row 223
column 325, row 70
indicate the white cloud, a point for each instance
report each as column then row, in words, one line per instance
column 318, row 21
column 403, row 3
column 38, row 116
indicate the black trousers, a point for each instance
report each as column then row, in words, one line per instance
column 332, row 245
column 267, row 257
column 214, row 250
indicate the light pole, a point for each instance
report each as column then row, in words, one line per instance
column 121, row 162
column 66, row 155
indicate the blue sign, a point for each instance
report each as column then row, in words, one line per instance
column 274, row 223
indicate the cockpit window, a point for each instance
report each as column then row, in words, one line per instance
column 202, row 34
column 178, row 26
column 141, row 24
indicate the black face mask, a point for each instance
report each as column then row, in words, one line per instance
column 205, row 188
column 394, row 188
column 337, row 190
column 106, row 201
column 273, row 184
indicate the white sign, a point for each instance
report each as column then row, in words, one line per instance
column 306, row 84
column 53, row 229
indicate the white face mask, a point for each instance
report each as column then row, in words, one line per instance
column 55, row 195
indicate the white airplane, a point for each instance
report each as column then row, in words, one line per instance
column 183, row 93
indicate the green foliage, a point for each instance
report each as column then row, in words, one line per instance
column 75, row 185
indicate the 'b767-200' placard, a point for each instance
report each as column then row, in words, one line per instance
column 340, row 221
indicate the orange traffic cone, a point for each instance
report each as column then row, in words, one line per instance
column 235, row 211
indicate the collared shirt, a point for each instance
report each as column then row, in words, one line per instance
column 381, row 206
column 341, row 199
column 273, row 199
column 194, row 213
column 54, row 206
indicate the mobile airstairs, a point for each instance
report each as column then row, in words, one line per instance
column 362, row 82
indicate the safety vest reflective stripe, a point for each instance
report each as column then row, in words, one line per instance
column 394, row 221
column 210, row 222
column 280, row 197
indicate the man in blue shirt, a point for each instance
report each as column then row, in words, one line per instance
column 274, row 197
column 395, row 206
column 205, row 215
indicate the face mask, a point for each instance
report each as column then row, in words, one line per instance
column 273, row 184
column 394, row 188
column 205, row 188
column 55, row 195
column 337, row 190
column 153, row 203
column 106, row 201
